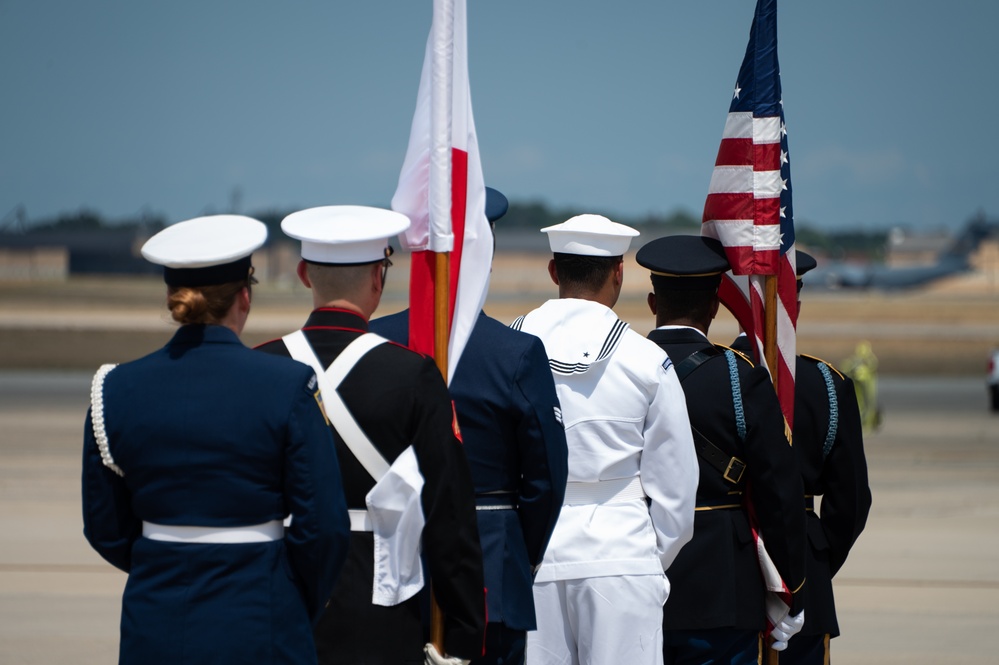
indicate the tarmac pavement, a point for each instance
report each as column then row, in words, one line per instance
column 922, row 585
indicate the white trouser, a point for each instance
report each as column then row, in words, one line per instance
column 599, row 621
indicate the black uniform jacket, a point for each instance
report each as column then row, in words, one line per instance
column 715, row 580
column 840, row 478
column 399, row 399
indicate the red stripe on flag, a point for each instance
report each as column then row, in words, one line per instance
column 735, row 152
column 766, row 157
column 741, row 257
column 459, row 196
column 729, row 206
column 421, row 302
column 767, row 213
column 423, row 266
column 787, row 296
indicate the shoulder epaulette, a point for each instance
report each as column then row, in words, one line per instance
column 824, row 362
column 736, row 352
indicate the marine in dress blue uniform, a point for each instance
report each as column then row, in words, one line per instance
column 192, row 458
column 829, row 442
column 505, row 400
column 399, row 402
column 715, row 610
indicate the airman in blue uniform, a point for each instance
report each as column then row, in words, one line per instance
column 193, row 457
column 505, row 400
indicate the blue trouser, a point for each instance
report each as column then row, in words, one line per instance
column 806, row 650
column 724, row 646
column 504, row 646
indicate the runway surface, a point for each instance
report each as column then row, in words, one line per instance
column 921, row 587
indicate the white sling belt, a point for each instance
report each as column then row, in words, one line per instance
column 394, row 514
column 617, row 490
column 254, row 533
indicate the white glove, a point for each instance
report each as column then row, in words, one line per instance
column 432, row 657
column 785, row 629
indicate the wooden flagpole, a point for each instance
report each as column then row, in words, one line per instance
column 770, row 325
column 770, row 352
column 442, row 281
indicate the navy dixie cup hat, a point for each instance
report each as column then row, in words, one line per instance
column 589, row 235
column 684, row 263
column 206, row 251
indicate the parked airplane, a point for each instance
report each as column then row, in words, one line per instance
column 953, row 260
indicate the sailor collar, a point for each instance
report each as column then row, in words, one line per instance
column 577, row 334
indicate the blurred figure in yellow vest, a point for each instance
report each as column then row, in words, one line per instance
column 862, row 368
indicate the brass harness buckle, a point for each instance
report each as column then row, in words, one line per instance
column 733, row 472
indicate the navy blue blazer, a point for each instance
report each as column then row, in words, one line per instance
column 506, row 404
column 209, row 433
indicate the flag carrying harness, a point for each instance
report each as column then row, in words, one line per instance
column 731, row 467
column 394, row 513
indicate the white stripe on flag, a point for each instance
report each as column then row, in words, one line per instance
column 767, row 184
column 738, row 125
column 766, row 130
column 766, row 237
column 737, row 232
column 732, row 180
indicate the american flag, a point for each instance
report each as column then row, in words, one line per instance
column 748, row 207
column 749, row 210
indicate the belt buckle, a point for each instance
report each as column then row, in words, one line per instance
column 736, row 467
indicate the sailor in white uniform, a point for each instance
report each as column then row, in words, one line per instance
column 629, row 502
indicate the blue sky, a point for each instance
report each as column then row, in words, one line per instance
column 186, row 107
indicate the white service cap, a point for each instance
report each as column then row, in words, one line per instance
column 206, row 250
column 344, row 234
column 590, row 235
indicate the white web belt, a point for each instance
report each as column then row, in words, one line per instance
column 254, row 533
column 360, row 520
column 618, row 490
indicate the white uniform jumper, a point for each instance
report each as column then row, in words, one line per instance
column 629, row 504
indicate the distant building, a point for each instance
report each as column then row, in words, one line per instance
column 87, row 252
column 908, row 249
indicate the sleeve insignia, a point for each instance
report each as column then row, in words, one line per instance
column 318, row 396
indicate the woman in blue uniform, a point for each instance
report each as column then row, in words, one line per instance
column 193, row 457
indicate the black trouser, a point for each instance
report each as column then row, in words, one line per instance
column 353, row 631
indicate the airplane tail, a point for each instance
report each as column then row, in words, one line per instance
column 977, row 230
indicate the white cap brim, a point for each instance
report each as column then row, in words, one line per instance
column 204, row 242
column 344, row 234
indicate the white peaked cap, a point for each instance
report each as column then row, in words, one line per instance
column 204, row 242
column 590, row 235
column 344, row 234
